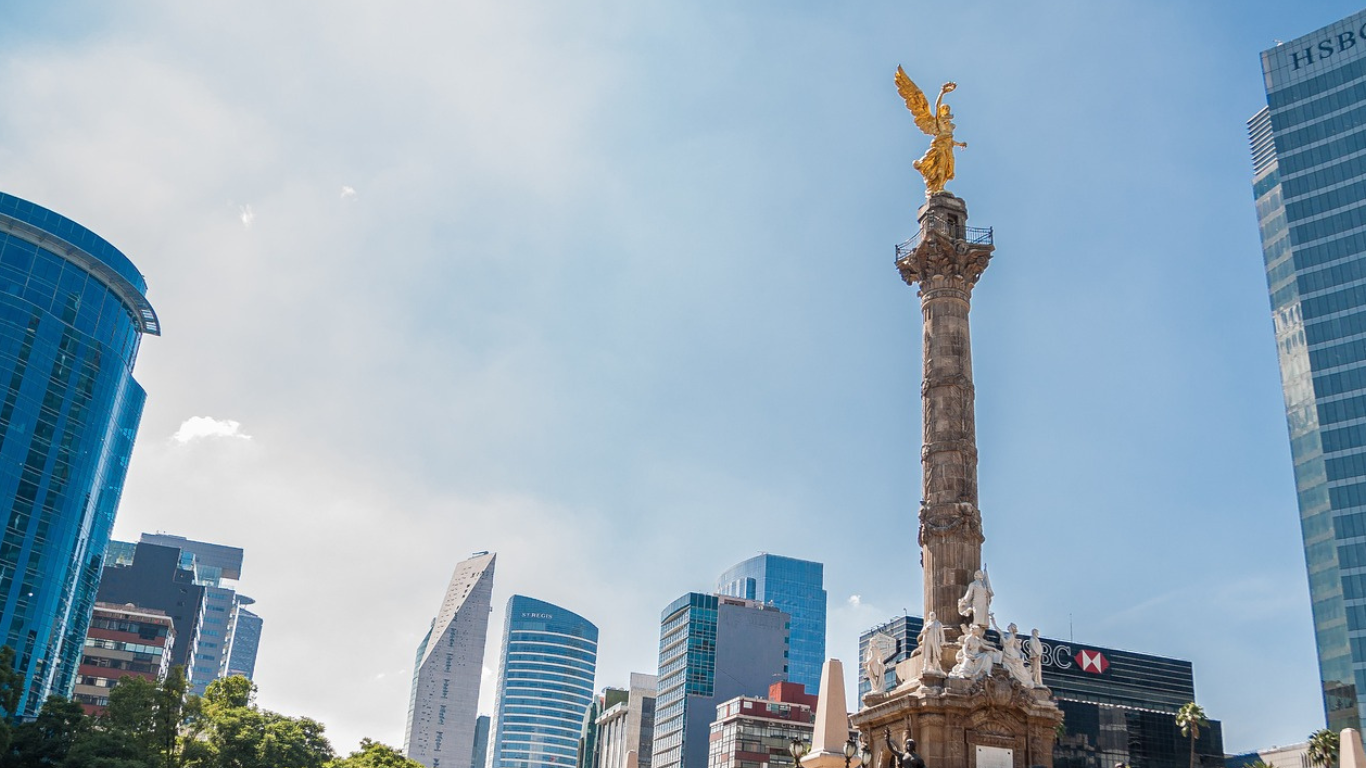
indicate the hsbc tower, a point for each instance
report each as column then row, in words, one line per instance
column 1120, row 706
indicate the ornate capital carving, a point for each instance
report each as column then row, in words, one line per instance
column 944, row 265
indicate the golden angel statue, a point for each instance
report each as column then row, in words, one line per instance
column 937, row 164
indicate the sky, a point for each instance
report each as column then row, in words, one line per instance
column 608, row 288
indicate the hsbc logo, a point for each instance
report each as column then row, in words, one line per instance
column 1092, row 661
column 1059, row 656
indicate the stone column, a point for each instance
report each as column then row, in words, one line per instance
column 946, row 264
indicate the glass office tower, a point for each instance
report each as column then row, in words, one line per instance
column 1309, row 182
column 797, row 587
column 545, row 685
column 72, row 314
column 712, row 648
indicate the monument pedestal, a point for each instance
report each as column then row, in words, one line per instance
column 992, row 722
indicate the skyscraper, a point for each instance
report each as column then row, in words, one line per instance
column 797, row 587
column 72, row 314
column 246, row 641
column 158, row 579
column 1309, row 182
column 712, row 648
column 212, row 564
column 446, row 675
column 545, row 685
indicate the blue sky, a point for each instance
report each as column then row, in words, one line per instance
column 607, row 288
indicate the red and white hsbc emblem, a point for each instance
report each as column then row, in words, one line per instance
column 1092, row 661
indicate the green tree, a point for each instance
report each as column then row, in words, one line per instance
column 1261, row 764
column 130, row 716
column 11, row 685
column 1191, row 718
column 373, row 754
column 47, row 740
column 1323, row 748
column 107, row 749
column 230, row 731
column 170, row 713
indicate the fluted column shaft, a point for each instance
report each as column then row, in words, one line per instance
column 946, row 266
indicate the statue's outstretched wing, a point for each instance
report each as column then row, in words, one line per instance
column 916, row 102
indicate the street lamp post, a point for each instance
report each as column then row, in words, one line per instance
column 854, row 748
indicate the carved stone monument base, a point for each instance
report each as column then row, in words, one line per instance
column 950, row 717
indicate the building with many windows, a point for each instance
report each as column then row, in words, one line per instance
column 755, row 732
column 626, row 730
column 158, row 579
column 712, row 648
column 123, row 641
column 589, row 752
column 481, row 741
column 1119, row 706
column 797, row 587
column 73, row 311
column 444, row 702
column 1309, row 182
column 246, row 641
column 545, row 685
column 217, row 568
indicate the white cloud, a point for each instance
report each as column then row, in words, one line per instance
column 348, row 192
column 197, row 427
column 855, row 599
column 247, row 215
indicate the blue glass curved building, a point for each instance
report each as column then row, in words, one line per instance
column 545, row 685
column 73, row 311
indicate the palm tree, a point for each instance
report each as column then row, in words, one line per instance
column 1323, row 748
column 1191, row 718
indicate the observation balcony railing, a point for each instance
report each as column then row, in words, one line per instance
column 973, row 235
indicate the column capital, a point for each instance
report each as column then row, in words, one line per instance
column 943, row 265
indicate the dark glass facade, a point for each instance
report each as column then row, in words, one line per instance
column 72, row 314
column 1118, row 706
column 712, row 648
column 1309, row 182
column 797, row 587
column 545, row 685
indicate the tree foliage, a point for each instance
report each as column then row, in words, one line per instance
column 1190, row 719
column 156, row 725
column 373, row 754
column 1323, row 748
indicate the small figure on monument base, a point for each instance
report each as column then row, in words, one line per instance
column 976, row 654
column 907, row 759
column 1036, row 658
column 976, row 602
column 881, row 647
column 931, row 644
column 1012, row 657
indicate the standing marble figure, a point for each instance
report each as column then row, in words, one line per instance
column 880, row 647
column 931, row 644
column 1012, row 658
column 1036, row 658
column 976, row 602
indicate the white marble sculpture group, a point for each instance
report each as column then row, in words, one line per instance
column 976, row 654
